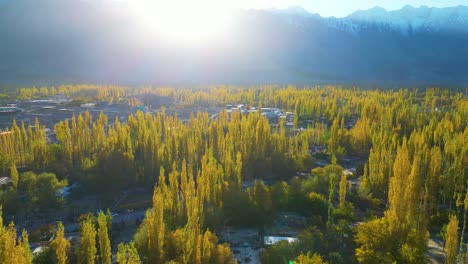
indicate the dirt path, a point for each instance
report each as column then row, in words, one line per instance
column 435, row 251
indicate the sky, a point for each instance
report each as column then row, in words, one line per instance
column 337, row 8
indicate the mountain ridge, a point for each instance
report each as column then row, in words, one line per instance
column 406, row 20
column 90, row 43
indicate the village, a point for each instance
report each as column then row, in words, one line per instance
column 129, row 207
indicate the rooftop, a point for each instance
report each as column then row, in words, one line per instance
column 271, row 240
column 4, row 180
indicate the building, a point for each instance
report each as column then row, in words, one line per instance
column 9, row 110
column 66, row 191
column 271, row 240
column 4, row 180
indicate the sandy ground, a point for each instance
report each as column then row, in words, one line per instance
column 435, row 252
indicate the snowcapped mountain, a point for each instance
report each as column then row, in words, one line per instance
column 68, row 41
column 296, row 16
column 407, row 20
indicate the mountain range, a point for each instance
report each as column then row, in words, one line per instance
column 406, row 21
column 72, row 41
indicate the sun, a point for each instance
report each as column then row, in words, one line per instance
column 189, row 20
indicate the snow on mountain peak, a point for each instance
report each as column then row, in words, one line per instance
column 374, row 15
column 406, row 20
column 296, row 10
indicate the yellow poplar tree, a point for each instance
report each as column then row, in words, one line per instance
column 155, row 227
column 60, row 245
column 310, row 259
column 451, row 241
column 14, row 175
column 127, row 254
column 104, row 241
column 88, row 242
column 343, row 186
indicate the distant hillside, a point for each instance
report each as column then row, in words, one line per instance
column 45, row 41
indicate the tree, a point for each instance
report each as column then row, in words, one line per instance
column 43, row 189
column 451, row 241
column 343, row 188
column 317, row 205
column 396, row 195
column 279, row 253
column 104, row 242
column 121, row 256
column 280, row 195
column 465, row 205
column 14, row 175
column 151, row 234
column 331, row 191
column 12, row 249
column 261, row 198
column 374, row 242
column 60, row 245
column 311, row 239
column 310, row 259
column 400, row 235
column 24, row 249
column 127, row 254
column 88, row 241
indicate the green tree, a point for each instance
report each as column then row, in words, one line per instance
column 42, row 189
column 261, row 198
column 280, row 195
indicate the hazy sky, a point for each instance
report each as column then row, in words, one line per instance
column 337, row 8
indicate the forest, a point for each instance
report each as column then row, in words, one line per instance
column 408, row 147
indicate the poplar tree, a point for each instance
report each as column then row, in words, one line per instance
column 343, row 187
column 23, row 248
column 104, row 241
column 310, row 259
column 451, row 241
column 396, row 198
column 465, row 207
column 60, row 245
column 88, row 242
column 14, row 175
column 121, row 256
column 127, row 254
column 12, row 249
column 155, row 229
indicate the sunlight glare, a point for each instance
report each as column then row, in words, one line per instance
column 183, row 20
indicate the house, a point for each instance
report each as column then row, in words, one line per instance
column 9, row 110
column 65, row 191
column 88, row 105
column 349, row 172
column 38, row 250
column 4, row 180
column 271, row 240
